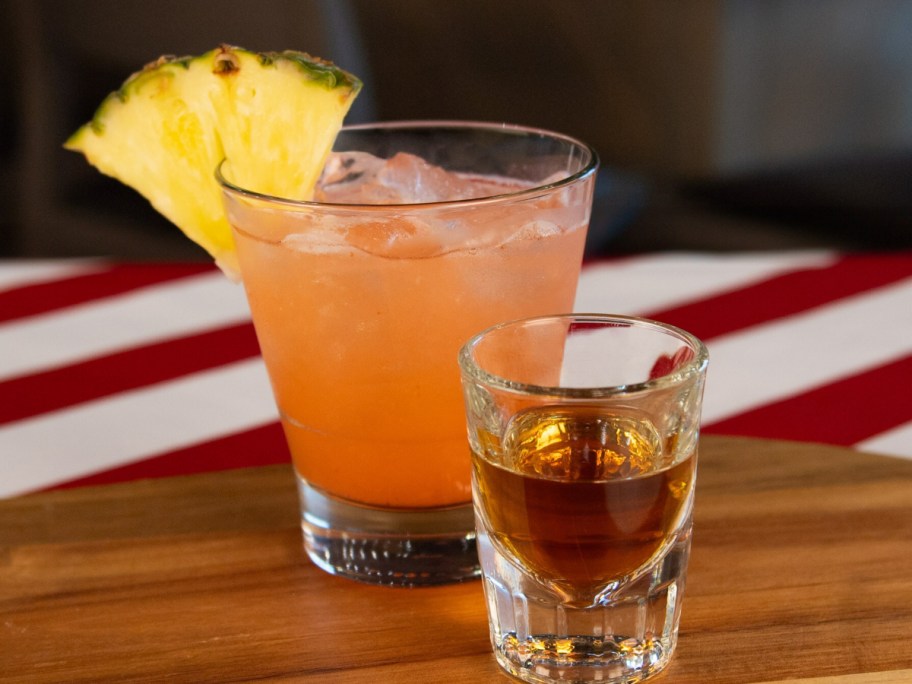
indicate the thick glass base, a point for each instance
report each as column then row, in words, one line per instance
column 544, row 659
column 393, row 547
column 627, row 637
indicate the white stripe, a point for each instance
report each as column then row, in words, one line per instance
column 27, row 272
column 776, row 360
column 895, row 442
column 128, row 427
column 648, row 283
column 111, row 324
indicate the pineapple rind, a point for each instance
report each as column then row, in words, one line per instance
column 273, row 115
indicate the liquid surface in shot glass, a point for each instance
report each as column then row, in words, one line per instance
column 360, row 316
column 582, row 498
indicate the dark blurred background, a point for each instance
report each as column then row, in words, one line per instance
column 721, row 124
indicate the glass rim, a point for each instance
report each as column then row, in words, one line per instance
column 679, row 375
column 511, row 129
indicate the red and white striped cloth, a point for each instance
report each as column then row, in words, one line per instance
column 112, row 371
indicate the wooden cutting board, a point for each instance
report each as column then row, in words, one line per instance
column 801, row 571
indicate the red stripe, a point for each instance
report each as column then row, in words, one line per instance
column 855, row 408
column 786, row 294
column 38, row 298
column 61, row 387
column 257, row 447
column 843, row 412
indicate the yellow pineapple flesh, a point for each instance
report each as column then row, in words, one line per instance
column 273, row 116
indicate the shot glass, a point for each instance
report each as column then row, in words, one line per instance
column 583, row 431
column 421, row 234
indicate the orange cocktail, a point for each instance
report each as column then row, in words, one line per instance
column 360, row 308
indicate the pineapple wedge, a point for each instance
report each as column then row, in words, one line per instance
column 273, row 115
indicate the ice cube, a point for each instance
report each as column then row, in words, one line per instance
column 536, row 229
column 414, row 180
column 314, row 242
column 347, row 177
column 395, row 238
column 361, row 178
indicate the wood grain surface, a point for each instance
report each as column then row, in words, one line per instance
column 801, row 571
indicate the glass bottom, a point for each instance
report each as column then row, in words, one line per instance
column 627, row 637
column 391, row 547
column 544, row 659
